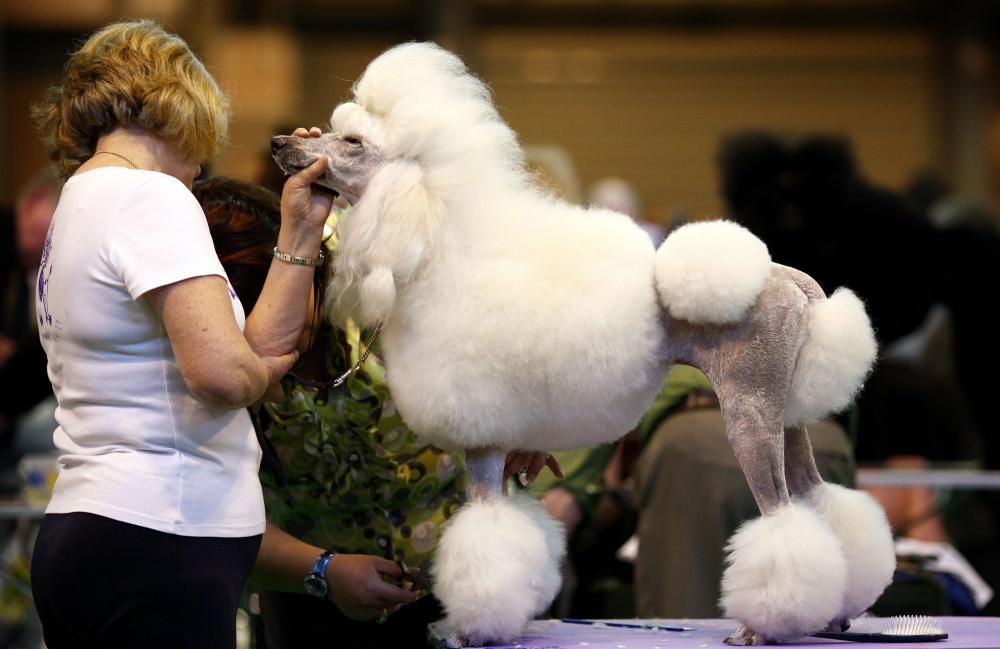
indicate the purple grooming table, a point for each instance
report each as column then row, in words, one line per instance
column 963, row 633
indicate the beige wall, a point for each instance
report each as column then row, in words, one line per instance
column 276, row 80
column 652, row 106
column 646, row 105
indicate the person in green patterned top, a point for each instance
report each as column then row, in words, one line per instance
column 346, row 474
column 358, row 481
column 351, row 478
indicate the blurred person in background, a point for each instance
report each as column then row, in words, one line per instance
column 22, row 362
column 928, row 290
column 619, row 195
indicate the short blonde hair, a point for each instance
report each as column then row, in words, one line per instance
column 132, row 74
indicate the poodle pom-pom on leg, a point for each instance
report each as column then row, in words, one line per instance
column 785, row 577
column 837, row 357
column 497, row 566
column 866, row 538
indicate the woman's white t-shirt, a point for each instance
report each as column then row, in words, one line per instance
column 135, row 445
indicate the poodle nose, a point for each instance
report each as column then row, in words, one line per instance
column 277, row 144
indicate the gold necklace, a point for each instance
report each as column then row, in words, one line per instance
column 118, row 155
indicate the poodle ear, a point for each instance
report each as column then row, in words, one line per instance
column 383, row 240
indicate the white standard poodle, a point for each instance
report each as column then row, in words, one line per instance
column 513, row 320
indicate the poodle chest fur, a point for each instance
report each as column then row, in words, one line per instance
column 543, row 335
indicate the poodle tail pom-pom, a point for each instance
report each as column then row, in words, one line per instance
column 785, row 576
column 711, row 272
column 835, row 359
column 860, row 523
column 497, row 566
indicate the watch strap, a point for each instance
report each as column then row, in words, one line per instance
column 319, row 567
column 318, row 572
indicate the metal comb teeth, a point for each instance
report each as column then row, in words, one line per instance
column 912, row 625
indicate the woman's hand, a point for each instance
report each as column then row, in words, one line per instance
column 358, row 590
column 529, row 464
column 302, row 203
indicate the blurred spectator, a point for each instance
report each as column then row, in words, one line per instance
column 926, row 188
column 621, row 196
column 808, row 202
column 22, row 361
column 554, row 170
column 933, row 196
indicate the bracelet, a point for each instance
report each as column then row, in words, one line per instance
column 301, row 261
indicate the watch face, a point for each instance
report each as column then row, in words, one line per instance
column 315, row 585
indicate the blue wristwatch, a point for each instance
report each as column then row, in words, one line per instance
column 315, row 582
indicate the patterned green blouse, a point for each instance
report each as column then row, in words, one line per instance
column 357, row 479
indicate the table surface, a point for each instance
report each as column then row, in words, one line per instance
column 963, row 633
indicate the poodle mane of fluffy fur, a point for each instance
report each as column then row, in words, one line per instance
column 449, row 149
column 495, row 268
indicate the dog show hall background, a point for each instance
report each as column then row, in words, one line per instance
column 643, row 90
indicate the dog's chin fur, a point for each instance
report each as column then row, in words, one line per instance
column 786, row 574
column 497, row 566
column 866, row 538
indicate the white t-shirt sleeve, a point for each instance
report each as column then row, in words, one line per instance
column 160, row 236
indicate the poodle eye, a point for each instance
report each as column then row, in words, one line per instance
column 352, row 140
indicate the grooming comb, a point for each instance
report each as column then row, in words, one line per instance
column 901, row 628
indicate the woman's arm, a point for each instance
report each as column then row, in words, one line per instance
column 355, row 580
column 274, row 325
column 213, row 357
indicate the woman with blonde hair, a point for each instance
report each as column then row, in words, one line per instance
column 157, row 514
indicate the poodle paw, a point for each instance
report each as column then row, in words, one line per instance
column 744, row 637
column 838, row 625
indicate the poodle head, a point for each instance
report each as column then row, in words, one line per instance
column 420, row 142
column 351, row 163
column 415, row 102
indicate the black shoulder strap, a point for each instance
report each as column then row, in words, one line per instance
column 270, row 460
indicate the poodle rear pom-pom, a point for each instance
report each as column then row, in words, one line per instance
column 866, row 538
column 497, row 566
column 834, row 361
column 786, row 574
column 711, row 272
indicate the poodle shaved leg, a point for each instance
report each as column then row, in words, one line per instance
column 784, row 577
column 485, row 466
column 803, row 477
column 497, row 562
column 757, row 447
column 757, row 443
column 801, row 473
